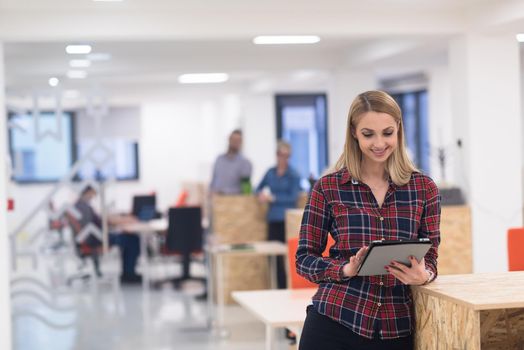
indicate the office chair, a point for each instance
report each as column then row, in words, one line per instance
column 184, row 237
column 294, row 280
column 84, row 250
column 516, row 249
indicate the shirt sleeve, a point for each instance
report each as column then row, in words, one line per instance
column 430, row 225
column 262, row 183
column 314, row 229
column 212, row 185
column 246, row 169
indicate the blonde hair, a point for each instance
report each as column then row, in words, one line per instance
column 398, row 166
column 283, row 145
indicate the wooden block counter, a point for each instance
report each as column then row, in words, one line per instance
column 293, row 221
column 455, row 250
column 241, row 219
column 471, row 312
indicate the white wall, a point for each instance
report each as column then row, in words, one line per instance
column 259, row 125
column 487, row 116
column 345, row 86
column 121, row 122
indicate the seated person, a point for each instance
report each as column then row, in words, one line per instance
column 129, row 243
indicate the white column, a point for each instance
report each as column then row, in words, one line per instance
column 485, row 76
column 5, row 315
column 346, row 85
column 259, row 128
column 440, row 122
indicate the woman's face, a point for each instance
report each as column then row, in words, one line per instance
column 377, row 135
column 283, row 155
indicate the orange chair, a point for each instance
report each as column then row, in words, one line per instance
column 296, row 281
column 516, row 249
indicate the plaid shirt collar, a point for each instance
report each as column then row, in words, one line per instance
column 346, row 178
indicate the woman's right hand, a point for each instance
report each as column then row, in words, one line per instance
column 351, row 268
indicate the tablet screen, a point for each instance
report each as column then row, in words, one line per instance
column 381, row 253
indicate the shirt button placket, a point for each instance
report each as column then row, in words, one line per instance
column 381, row 218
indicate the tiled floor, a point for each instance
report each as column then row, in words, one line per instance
column 172, row 320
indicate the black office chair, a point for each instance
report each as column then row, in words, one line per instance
column 184, row 237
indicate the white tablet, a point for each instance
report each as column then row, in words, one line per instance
column 381, row 253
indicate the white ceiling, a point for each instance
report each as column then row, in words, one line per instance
column 153, row 41
column 237, row 5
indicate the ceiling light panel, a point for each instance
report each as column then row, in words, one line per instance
column 80, row 63
column 203, row 78
column 78, row 49
column 285, row 39
column 99, row 56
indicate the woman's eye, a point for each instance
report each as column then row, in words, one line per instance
column 367, row 135
column 388, row 133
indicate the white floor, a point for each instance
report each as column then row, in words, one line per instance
column 163, row 319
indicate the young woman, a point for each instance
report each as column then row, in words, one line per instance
column 375, row 193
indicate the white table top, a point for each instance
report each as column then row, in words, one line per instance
column 150, row 226
column 252, row 248
column 277, row 307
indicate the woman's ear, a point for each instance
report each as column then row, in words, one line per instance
column 353, row 132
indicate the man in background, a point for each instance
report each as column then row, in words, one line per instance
column 129, row 243
column 231, row 168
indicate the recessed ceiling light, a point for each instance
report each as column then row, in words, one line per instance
column 99, row 56
column 520, row 37
column 78, row 49
column 79, row 63
column 53, row 81
column 76, row 74
column 203, row 78
column 285, row 39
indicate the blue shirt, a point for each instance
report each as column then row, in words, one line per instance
column 285, row 190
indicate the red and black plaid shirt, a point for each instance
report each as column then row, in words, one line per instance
column 347, row 209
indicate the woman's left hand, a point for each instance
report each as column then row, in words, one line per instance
column 415, row 275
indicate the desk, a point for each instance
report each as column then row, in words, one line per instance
column 277, row 308
column 217, row 254
column 475, row 311
column 145, row 229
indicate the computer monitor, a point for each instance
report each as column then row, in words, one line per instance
column 144, row 207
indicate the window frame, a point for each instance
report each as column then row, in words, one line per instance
column 420, row 147
column 73, row 138
column 307, row 98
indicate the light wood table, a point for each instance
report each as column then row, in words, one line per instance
column 217, row 254
column 277, row 308
column 474, row 311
